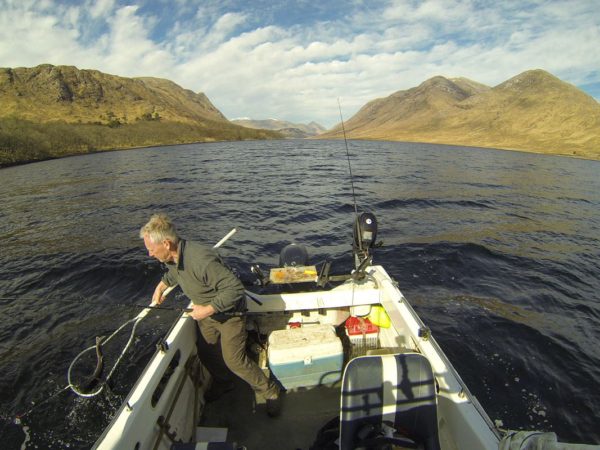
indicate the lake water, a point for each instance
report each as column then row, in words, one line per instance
column 499, row 252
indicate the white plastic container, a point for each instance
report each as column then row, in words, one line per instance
column 306, row 356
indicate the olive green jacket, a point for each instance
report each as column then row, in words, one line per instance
column 204, row 278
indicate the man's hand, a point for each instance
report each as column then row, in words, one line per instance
column 200, row 312
column 158, row 297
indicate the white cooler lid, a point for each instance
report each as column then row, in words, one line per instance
column 295, row 344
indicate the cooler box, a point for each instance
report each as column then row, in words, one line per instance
column 305, row 356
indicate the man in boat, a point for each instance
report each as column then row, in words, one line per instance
column 215, row 293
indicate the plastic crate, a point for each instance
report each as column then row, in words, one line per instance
column 363, row 335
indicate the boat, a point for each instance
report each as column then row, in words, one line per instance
column 359, row 367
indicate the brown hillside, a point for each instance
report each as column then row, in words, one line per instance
column 49, row 93
column 469, row 86
column 48, row 112
column 413, row 109
column 533, row 111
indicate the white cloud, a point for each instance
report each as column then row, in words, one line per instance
column 101, row 8
column 127, row 49
column 30, row 38
column 249, row 65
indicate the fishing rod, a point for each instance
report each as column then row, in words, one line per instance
column 248, row 294
column 348, row 158
column 365, row 225
column 357, row 227
column 81, row 297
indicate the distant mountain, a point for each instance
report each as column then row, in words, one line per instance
column 534, row 111
column 288, row 129
column 49, row 111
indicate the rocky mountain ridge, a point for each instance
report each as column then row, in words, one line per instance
column 288, row 129
column 533, row 111
column 49, row 93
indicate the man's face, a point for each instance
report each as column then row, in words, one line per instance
column 158, row 250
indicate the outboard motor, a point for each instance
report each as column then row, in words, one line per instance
column 293, row 255
column 365, row 231
column 365, row 235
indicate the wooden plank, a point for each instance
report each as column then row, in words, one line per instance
column 293, row 274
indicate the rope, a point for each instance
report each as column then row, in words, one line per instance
column 18, row 418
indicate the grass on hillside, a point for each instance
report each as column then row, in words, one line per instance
column 24, row 141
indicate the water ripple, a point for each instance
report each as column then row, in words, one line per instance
column 498, row 251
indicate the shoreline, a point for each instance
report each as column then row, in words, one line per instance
column 121, row 149
column 117, row 149
column 520, row 150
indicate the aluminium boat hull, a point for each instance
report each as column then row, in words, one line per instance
column 167, row 402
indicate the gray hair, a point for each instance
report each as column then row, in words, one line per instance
column 160, row 228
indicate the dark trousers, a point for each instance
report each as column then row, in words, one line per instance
column 226, row 343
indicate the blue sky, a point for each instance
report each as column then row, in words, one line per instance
column 293, row 60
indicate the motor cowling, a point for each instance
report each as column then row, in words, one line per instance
column 293, row 255
column 365, row 231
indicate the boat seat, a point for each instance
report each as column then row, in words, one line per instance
column 389, row 399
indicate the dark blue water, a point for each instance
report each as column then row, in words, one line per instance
column 499, row 252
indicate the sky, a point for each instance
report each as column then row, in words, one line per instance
column 294, row 60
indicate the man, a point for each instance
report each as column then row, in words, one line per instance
column 214, row 291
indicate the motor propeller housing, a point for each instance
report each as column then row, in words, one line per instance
column 365, row 231
column 293, row 255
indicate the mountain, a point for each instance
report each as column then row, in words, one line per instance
column 533, row 111
column 49, row 111
column 288, row 129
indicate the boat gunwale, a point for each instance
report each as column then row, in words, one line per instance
column 377, row 288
